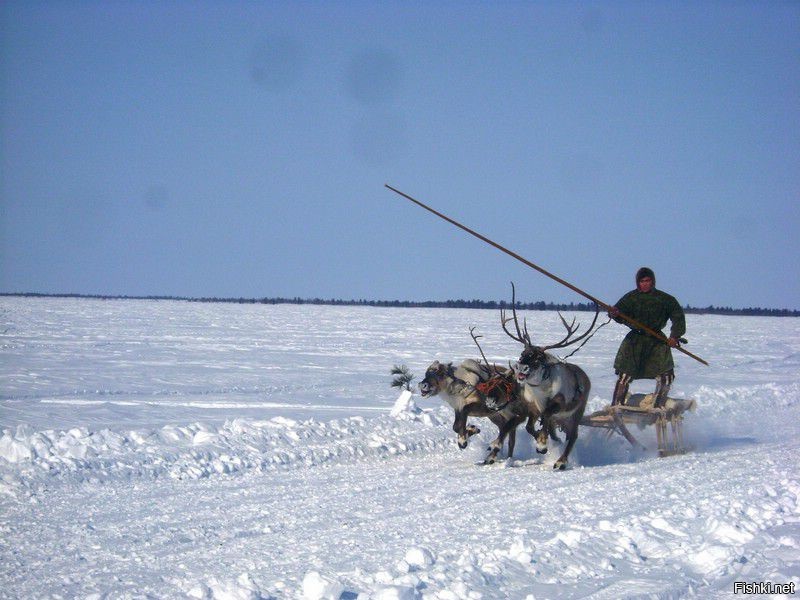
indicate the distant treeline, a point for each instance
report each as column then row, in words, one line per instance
column 486, row 304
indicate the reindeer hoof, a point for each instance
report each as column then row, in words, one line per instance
column 541, row 451
column 560, row 466
column 489, row 460
column 462, row 445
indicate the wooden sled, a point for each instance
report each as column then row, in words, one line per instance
column 639, row 409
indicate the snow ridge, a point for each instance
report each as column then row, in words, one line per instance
column 29, row 459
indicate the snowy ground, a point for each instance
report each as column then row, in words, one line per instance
column 172, row 450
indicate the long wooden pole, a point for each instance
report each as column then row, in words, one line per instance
column 636, row 324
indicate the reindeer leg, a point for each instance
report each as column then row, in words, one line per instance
column 508, row 429
column 512, row 435
column 548, row 426
column 541, row 439
column 530, row 426
column 572, row 433
column 494, row 450
column 460, row 427
column 572, row 436
column 496, row 446
column 512, row 439
column 553, row 434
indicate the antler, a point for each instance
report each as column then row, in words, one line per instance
column 571, row 330
column 523, row 337
column 475, row 339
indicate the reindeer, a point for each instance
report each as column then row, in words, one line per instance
column 478, row 390
column 555, row 390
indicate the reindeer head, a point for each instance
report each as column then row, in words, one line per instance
column 532, row 359
column 434, row 377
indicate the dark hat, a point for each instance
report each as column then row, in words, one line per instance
column 645, row 272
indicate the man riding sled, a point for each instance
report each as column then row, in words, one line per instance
column 642, row 356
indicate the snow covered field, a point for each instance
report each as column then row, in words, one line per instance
column 167, row 449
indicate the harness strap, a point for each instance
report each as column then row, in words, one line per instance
column 491, row 385
column 487, row 387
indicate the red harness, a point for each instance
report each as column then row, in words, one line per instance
column 487, row 387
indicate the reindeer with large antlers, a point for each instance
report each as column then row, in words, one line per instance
column 554, row 389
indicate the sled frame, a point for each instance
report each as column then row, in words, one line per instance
column 668, row 422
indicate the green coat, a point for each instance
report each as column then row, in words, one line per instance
column 641, row 355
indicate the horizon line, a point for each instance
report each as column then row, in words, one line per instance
column 451, row 303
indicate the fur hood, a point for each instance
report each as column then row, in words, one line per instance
column 645, row 272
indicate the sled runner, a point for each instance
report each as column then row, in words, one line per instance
column 639, row 410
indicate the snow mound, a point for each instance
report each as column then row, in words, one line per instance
column 318, row 587
column 241, row 588
column 405, row 407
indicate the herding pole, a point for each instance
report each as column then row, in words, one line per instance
column 656, row 334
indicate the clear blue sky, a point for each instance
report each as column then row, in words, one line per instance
column 241, row 148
